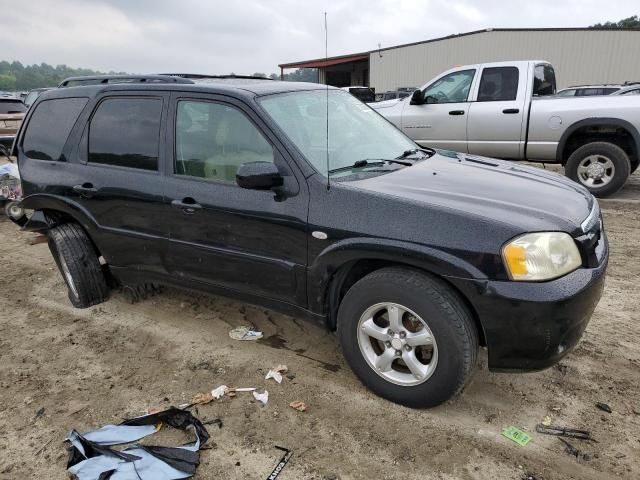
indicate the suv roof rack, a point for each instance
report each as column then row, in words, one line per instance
column 629, row 82
column 105, row 79
column 199, row 76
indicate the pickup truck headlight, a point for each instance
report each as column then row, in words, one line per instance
column 541, row 256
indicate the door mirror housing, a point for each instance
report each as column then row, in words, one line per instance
column 259, row 176
column 417, row 98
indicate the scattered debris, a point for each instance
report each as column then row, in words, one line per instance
column 281, row 464
column 219, row 392
column 245, row 333
column 620, row 455
column 532, row 476
column 604, row 407
column 276, row 373
column 261, row 397
column 299, row 406
column 576, row 452
column 215, row 421
column 546, row 421
column 516, row 435
column 202, row 398
column 559, row 431
column 91, row 456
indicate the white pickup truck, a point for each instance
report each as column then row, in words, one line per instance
column 509, row 110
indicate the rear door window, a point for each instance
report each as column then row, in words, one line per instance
column 50, row 126
column 498, row 84
column 544, row 80
column 125, row 132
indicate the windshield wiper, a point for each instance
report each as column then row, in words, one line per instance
column 367, row 162
column 429, row 152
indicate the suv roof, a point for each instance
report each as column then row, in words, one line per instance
column 240, row 85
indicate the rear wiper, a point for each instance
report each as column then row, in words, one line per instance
column 367, row 162
column 407, row 153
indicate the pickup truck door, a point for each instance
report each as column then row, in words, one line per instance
column 221, row 235
column 495, row 126
column 442, row 120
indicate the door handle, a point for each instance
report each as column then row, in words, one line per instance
column 511, row 110
column 86, row 190
column 456, row 112
column 188, row 205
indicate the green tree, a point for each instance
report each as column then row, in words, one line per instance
column 625, row 23
column 7, row 82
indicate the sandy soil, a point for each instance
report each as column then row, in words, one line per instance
column 86, row 368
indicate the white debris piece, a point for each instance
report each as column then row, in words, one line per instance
column 218, row 392
column 245, row 333
column 261, row 397
column 276, row 373
column 277, row 376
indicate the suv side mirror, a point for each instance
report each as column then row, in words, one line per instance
column 417, row 98
column 259, row 176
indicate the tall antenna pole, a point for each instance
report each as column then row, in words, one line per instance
column 326, row 57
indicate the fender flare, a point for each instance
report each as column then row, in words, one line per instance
column 44, row 201
column 596, row 121
column 333, row 258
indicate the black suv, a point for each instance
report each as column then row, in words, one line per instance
column 303, row 199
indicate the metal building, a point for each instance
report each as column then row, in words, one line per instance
column 579, row 55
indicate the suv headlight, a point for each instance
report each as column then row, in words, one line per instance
column 541, row 256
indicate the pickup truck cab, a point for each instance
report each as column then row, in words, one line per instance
column 508, row 110
column 415, row 257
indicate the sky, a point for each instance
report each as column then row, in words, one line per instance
column 245, row 37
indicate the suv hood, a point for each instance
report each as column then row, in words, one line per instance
column 527, row 198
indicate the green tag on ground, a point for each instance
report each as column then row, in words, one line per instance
column 518, row 436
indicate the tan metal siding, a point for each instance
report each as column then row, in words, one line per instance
column 579, row 57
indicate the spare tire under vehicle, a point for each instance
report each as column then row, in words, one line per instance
column 408, row 336
column 601, row 167
column 79, row 265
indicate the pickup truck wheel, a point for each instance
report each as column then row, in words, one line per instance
column 408, row 337
column 601, row 167
column 79, row 265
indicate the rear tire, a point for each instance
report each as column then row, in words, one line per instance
column 442, row 316
column 79, row 265
column 600, row 167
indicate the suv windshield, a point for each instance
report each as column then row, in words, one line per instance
column 356, row 132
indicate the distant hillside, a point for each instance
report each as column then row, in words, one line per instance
column 17, row 77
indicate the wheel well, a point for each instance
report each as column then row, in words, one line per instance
column 56, row 217
column 348, row 274
column 601, row 133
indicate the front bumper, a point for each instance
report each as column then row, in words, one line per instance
column 531, row 326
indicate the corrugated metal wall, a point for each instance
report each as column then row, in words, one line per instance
column 579, row 56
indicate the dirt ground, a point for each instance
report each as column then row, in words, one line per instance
column 64, row 369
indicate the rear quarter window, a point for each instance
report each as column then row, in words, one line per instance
column 49, row 127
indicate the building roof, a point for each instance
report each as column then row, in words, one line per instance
column 326, row 62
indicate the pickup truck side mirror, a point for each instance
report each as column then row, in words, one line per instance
column 259, row 176
column 417, row 98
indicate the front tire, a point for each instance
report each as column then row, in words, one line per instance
column 79, row 265
column 408, row 337
column 601, row 167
